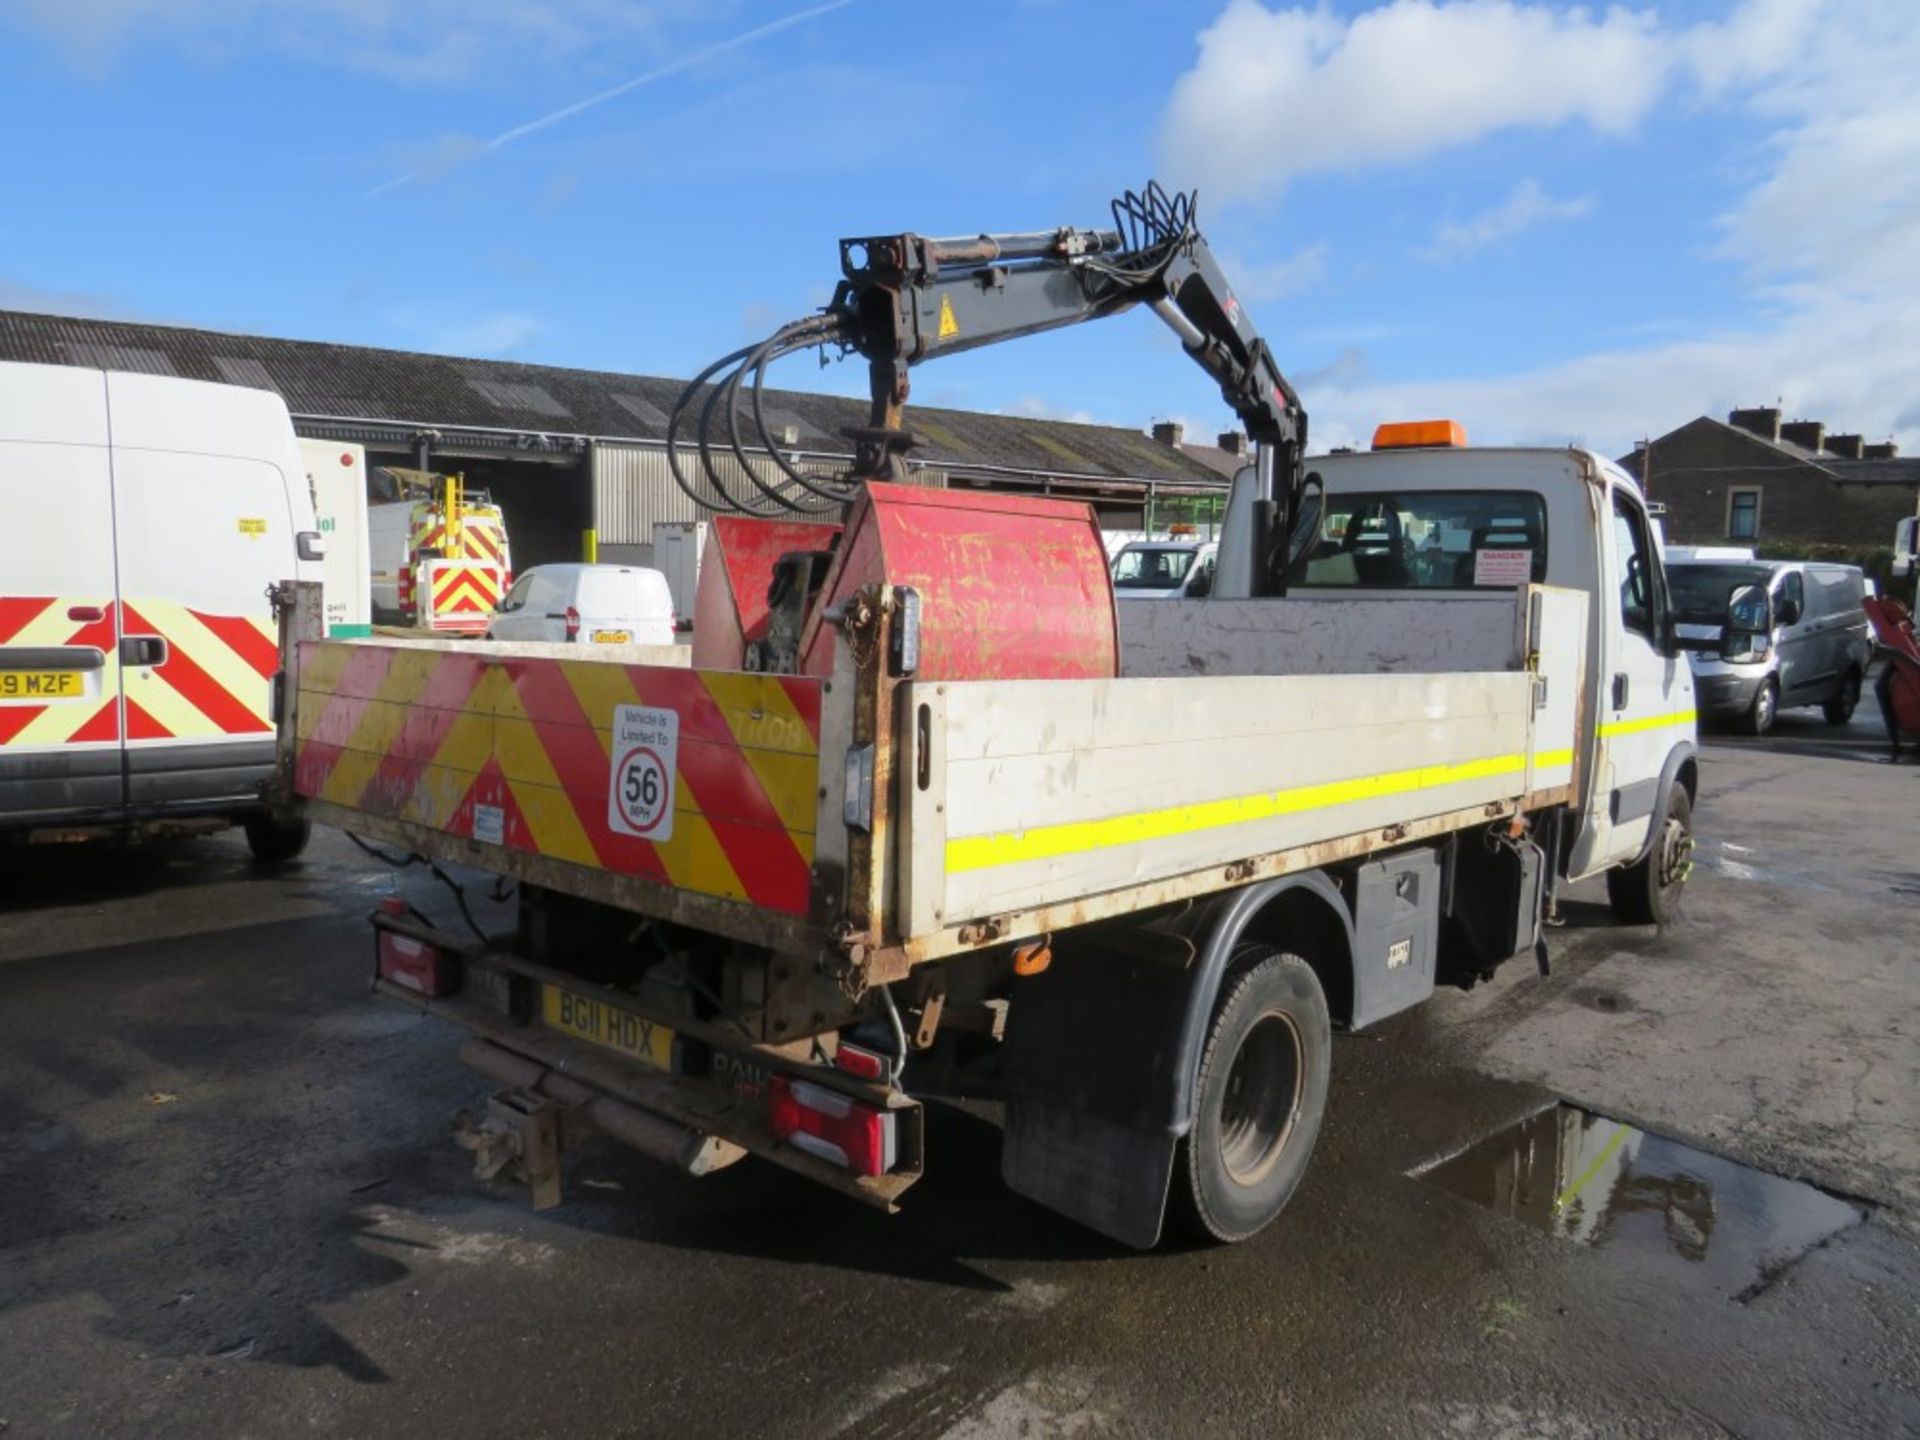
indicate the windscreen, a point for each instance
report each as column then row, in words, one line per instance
column 1151, row 569
column 1423, row 540
column 1701, row 592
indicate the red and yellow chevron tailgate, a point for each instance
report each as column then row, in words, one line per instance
column 464, row 594
column 213, row 684
column 704, row 780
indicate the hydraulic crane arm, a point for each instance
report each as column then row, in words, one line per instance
column 905, row 299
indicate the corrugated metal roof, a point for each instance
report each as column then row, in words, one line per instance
column 243, row 370
column 358, row 382
column 105, row 355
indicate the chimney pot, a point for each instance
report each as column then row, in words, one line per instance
column 1847, row 447
column 1807, row 434
column 1169, row 432
column 1763, row 421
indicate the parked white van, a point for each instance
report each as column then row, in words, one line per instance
column 588, row 604
column 1164, row 570
column 142, row 520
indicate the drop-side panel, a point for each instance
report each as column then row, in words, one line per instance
column 705, row 781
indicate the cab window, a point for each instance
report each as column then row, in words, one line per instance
column 1642, row 598
column 1422, row 540
column 517, row 596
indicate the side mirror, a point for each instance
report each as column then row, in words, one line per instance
column 310, row 545
column 1748, row 609
column 1789, row 612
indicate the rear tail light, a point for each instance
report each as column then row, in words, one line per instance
column 860, row 1061
column 832, row 1126
column 573, row 623
column 414, row 964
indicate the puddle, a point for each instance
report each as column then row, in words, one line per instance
column 1609, row 1185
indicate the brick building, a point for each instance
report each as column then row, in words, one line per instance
column 1754, row 480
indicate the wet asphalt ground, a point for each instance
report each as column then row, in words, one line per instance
column 229, row 1207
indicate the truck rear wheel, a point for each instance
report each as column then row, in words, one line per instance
column 1648, row 892
column 1261, row 1092
column 275, row 839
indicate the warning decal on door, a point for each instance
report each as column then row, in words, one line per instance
column 640, row 794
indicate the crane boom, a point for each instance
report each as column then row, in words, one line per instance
column 906, row 298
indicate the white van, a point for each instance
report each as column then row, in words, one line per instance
column 1164, row 570
column 142, row 520
column 588, row 604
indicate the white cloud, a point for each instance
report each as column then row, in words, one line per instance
column 481, row 336
column 1280, row 93
column 1849, row 363
column 1827, row 235
column 1269, row 280
column 1034, row 407
column 1526, row 206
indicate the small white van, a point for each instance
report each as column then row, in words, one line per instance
column 587, row 604
column 142, row 521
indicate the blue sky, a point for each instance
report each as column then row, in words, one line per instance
column 1550, row 223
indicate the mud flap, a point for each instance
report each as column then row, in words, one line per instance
column 1094, row 1111
column 1111, row 1178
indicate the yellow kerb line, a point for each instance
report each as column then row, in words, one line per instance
column 984, row 852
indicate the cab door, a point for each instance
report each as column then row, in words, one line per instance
column 1645, row 699
column 60, row 717
column 1802, row 663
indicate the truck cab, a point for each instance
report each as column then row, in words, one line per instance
column 1415, row 515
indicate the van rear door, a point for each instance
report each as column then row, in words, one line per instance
column 60, row 721
column 202, row 537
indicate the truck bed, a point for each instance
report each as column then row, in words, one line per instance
column 999, row 808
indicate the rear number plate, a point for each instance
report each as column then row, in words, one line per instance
column 612, row 637
column 603, row 1024
column 42, row 684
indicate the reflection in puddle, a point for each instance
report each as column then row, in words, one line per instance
column 1599, row 1182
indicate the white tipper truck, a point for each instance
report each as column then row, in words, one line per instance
column 922, row 811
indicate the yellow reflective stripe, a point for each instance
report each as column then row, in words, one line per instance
column 1547, row 758
column 984, row 852
column 1647, row 722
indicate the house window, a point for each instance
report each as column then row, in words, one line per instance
column 1743, row 514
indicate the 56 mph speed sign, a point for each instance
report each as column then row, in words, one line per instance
column 640, row 790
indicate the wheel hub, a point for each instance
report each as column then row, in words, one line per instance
column 1262, row 1098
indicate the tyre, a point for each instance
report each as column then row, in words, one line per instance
column 1649, row 891
column 1839, row 710
column 1261, row 1093
column 275, row 839
column 1766, row 705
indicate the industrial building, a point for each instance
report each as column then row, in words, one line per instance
column 569, row 451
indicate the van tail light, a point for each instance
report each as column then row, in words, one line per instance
column 832, row 1126
column 414, row 964
column 573, row 623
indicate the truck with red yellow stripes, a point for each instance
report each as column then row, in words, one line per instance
column 440, row 557
column 143, row 520
column 923, row 813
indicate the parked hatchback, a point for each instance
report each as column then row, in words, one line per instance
column 1814, row 651
column 588, row 604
